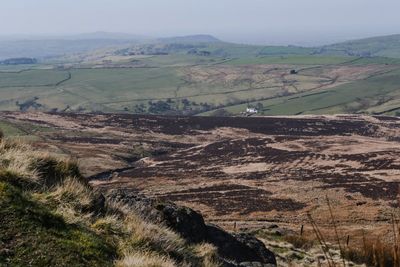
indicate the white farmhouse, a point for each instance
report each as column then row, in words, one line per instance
column 251, row 110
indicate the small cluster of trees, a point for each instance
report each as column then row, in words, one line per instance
column 172, row 107
column 18, row 61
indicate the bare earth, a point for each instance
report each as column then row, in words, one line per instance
column 252, row 171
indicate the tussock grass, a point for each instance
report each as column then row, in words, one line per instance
column 372, row 252
column 74, row 200
column 16, row 158
column 299, row 241
column 35, row 167
column 52, row 171
column 141, row 235
column 208, row 253
column 144, row 259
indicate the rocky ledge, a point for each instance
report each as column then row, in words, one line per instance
column 235, row 249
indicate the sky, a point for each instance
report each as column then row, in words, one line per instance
column 297, row 22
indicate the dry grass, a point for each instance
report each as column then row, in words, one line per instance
column 73, row 200
column 35, row 167
column 144, row 259
column 145, row 234
column 142, row 231
column 208, row 253
column 299, row 241
column 375, row 252
column 137, row 236
column 16, row 157
column 372, row 252
column 73, row 192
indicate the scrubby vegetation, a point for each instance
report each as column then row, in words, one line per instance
column 50, row 216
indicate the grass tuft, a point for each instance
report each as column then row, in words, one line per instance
column 300, row 242
column 144, row 259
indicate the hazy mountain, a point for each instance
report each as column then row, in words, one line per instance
column 49, row 46
column 108, row 36
column 200, row 38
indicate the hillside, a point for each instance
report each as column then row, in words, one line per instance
column 382, row 46
column 58, row 46
column 200, row 84
column 260, row 175
column 51, row 216
column 200, row 75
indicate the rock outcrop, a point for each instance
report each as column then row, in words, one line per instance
column 239, row 249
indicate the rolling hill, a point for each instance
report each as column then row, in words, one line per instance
column 200, row 38
column 200, row 75
column 382, row 46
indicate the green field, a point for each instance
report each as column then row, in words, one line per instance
column 293, row 60
column 358, row 96
column 382, row 46
column 32, row 78
column 277, row 79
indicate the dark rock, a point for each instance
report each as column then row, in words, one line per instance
column 239, row 247
column 234, row 249
column 188, row 223
column 98, row 203
column 255, row 264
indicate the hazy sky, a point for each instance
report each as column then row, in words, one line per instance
column 246, row 21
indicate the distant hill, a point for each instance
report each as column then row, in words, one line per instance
column 200, row 38
column 108, row 35
column 55, row 47
column 382, row 46
column 44, row 47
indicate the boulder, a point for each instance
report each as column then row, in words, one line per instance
column 235, row 249
column 240, row 247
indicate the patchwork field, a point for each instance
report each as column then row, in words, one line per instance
column 246, row 171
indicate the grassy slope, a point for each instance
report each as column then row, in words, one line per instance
column 31, row 234
column 334, row 100
column 32, row 78
column 50, row 216
column 111, row 90
column 384, row 46
column 291, row 59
